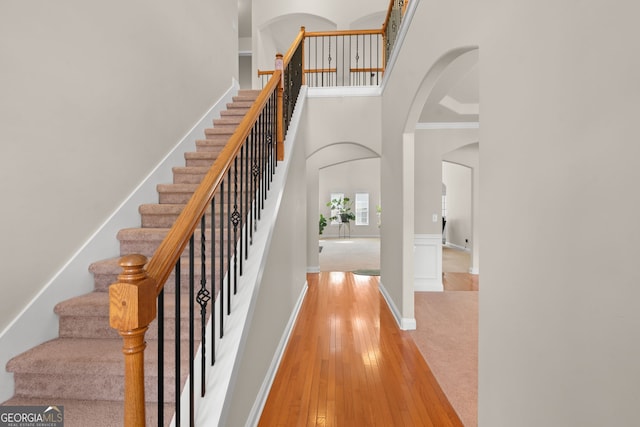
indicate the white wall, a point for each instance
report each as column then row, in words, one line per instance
column 93, row 96
column 559, row 316
column 412, row 77
column 280, row 287
column 469, row 155
column 458, row 180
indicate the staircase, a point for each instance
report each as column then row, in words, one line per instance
column 83, row 368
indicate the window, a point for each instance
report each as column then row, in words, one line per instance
column 362, row 208
column 334, row 212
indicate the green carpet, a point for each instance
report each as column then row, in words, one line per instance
column 367, row 272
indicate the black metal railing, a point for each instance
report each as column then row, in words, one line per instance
column 391, row 25
column 220, row 245
column 350, row 57
column 344, row 58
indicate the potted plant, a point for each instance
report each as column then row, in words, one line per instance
column 322, row 223
column 342, row 209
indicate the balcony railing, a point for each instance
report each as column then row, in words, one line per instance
column 348, row 58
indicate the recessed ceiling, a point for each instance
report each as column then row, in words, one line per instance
column 455, row 97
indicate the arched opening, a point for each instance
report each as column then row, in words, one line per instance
column 337, row 171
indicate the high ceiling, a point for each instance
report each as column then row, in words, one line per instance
column 455, row 97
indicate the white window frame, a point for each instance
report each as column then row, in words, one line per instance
column 362, row 208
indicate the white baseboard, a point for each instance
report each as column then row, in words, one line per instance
column 261, row 398
column 428, row 262
column 458, row 247
column 37, row 322
column 404, row 323
column 313, row 269
column 474, row 270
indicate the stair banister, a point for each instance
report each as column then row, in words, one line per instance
column 168, row 253
column 132, row 308
column 133, row 297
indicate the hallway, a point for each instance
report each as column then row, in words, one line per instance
column 347, row 363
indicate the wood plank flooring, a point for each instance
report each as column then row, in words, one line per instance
column 348, row 364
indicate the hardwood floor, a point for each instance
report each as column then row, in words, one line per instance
column 348, row 364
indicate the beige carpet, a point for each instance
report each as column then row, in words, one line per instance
column 350, row 254
column 447, row 322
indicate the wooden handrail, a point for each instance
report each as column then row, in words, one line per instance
column 299, row 39
column 385, row 24
column 132, row 299
column 321, row 70
column 169, row 251
column 342, row 33
column 370, row 69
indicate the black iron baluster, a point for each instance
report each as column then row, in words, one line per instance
column 213, row 280
column 247, row 207
column 161, row 358
column 178, row 289
column 322, row 68
column 235, row 220
column 254, row 173
column 228, row 256
column 242, row 248
column 221, row 238
column 191, row 329
column 203, row 299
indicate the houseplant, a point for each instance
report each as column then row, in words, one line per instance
column 341, row 209
column 322, row 224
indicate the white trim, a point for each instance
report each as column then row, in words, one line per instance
column 37, row 321
column 461, row 108
column 447, row 125
column 261, row 399
column 457, row 247
column 313, row 269
column 245, row 53
column 404, row 323
column 474, row 270
column 427, row 262
column 343, row 91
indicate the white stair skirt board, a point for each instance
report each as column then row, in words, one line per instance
column 37, row 322
column 427, row 253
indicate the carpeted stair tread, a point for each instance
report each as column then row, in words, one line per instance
column 202, row 158
column 242, row 105
column 189, row 174
column 70, row 356
column 213, row 143
column 164, row 215
column 87, row 316
column 160, row 208
column 175, row 193
column 219, row 131
column 234, row 112
column 230, row 122
column 154, row 235
column 106, row 273
column 86, row 368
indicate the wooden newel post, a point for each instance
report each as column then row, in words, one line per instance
column 279, row 108
column 132, row 307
